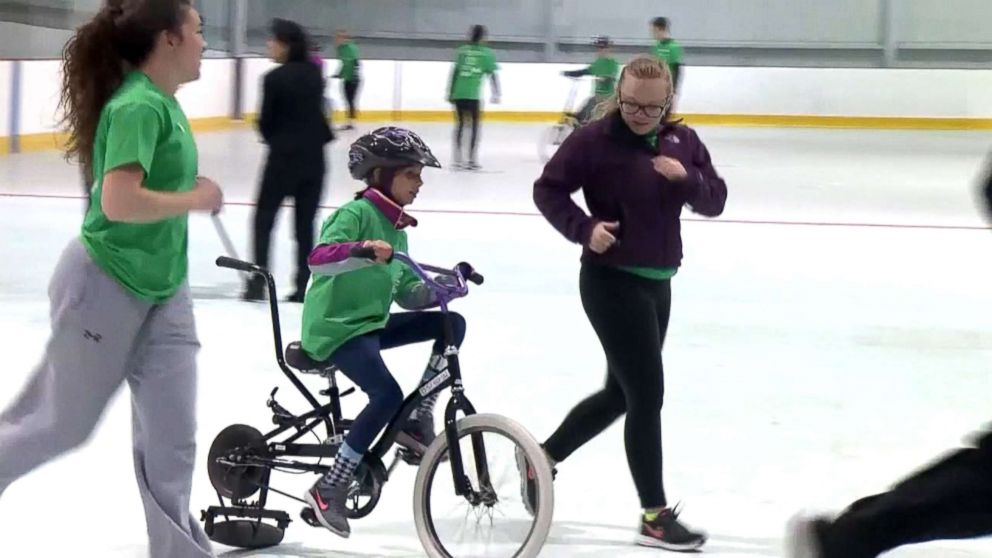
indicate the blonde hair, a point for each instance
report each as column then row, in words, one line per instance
column 642, row 67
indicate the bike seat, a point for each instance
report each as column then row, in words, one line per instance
column 297, row 358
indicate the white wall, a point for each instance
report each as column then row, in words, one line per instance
column 5, row 69
column 837, row 92
column 540, row 87
column 376, row 90
column 210, row 95
column 40, row 82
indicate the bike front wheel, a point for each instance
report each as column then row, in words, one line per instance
column 495, row 522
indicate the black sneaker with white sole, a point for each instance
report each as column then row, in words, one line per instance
column 667, row 532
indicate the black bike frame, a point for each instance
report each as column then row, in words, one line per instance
column 330, row 414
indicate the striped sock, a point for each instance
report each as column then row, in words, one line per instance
column 344, row 467
column 436, row 365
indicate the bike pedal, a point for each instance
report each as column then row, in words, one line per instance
column 309, row 517
column 410, row 457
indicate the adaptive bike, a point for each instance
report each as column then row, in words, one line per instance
column 468, row 481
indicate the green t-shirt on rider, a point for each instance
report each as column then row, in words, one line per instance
column 143, row 126
column 344, row 306
column 472, row 62
column 605, row 70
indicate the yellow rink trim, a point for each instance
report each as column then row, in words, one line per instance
column 54, row 140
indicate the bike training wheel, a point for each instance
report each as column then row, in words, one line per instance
column 449, row 525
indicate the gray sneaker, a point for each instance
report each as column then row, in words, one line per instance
column 328, row 505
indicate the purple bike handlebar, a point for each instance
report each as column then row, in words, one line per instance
column 463, row 272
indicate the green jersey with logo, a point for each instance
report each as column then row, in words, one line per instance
column 669, row 52
column 142, row 126
column 471, row 64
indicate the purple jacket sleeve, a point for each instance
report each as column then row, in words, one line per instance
column 562, row 177
column 705, row 191
column 332, row 259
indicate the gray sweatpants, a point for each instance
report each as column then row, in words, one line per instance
column 102, row 336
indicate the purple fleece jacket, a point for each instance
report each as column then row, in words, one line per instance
column 613, row 167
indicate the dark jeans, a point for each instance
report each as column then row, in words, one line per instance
column 949, row 499
column 630, row 317
column 360, row 360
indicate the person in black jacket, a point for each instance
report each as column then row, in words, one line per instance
column 294, row 126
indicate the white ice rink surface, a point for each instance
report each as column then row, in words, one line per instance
column 809, row 361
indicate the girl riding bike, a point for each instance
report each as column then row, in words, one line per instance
column 346, row 312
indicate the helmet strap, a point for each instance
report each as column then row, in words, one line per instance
column 382, row 180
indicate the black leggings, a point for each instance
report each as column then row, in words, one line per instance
column 630, row 317
column 950, row 499
column 467, row 109
column 302, row 178
column 350, row 94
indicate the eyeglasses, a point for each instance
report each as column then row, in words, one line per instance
column 651, row 111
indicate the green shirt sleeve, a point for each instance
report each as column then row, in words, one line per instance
column 132, row 135
column 491, row 65
column 408, row 282
column 345, row 225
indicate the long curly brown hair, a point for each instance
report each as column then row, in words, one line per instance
column 119, row 38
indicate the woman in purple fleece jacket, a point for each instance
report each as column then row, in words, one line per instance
column 637, row 170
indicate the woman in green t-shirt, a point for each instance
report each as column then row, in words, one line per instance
column 120, row 304
column 472, row 62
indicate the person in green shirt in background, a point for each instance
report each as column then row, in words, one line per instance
column 349, row 74
column 121, row 309
column 667, row 49
column 472, row 62
column 605, row 69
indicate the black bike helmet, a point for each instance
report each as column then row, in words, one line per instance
column 602, row 41
column 388, row 147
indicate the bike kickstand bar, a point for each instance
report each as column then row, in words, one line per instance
column 280, row 492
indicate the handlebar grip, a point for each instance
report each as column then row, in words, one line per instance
column 231, row 263
column 469, row 273
column 366, row 252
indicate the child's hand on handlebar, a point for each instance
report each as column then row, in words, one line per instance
column 383, row 251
